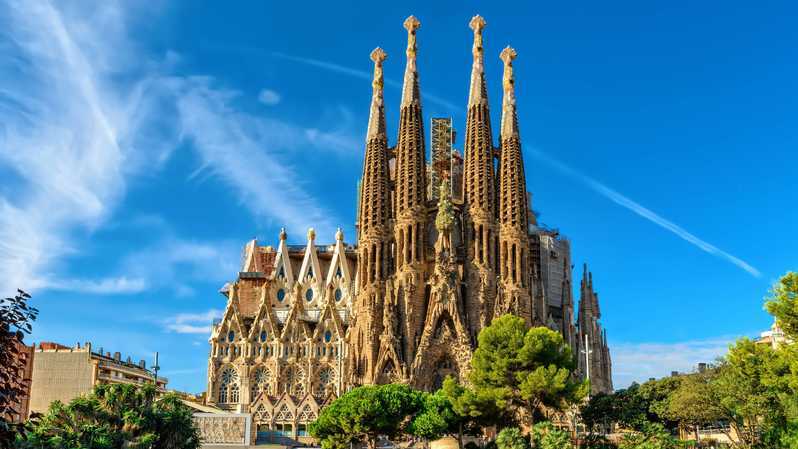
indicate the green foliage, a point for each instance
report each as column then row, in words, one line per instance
column 111, row 417
column 521, row 370
column 631, row 408
column 650, row 436
column 474, row 411
column 16, row 318
column 546, row 436
column 436, row 419
column 364, row 413
column 694, row 402
column 783, row 304
column 511, row 438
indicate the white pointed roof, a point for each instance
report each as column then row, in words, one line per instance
column 311, row 260
column 282, row 260
column 339, row 260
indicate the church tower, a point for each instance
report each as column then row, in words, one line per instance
column 373, row 241
column 410, row 203
column 515, row 276
column 594, row 355
column 479, row 193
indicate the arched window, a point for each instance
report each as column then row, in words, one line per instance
column 231, row 336
column 338, row 294
column 281, row 273
column 309, row 294
column 338, row 273
column 261, row 381
column 263, row 336
column 326, row 379
column 327, row 336
column 228, row 386
column 280, row 295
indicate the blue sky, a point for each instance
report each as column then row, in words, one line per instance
column 142, row 146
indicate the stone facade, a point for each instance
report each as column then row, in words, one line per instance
column 432, row 266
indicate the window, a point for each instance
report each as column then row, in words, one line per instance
column 231, row 336
column 281, row 273
column 310, row 272
column 263, row 336
column 338, row 294
column 280, row 295
column 338, row 273
column 228, row 387
column 327, row 336
column 309, row 294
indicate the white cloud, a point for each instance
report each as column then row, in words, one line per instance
column 638, row 362
column 82, row 110
column 269, row 97
column 626, row 202
column 192, row 323
column 106, row 286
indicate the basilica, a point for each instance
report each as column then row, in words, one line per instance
column 443, row 246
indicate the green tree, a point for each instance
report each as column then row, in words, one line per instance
column 364, row 413
column 523, row 370
column 511, row 438
column 16, row 318
column 650, row 436
column 436, row 419
column 694, row 402
column 783, row 304
column 114, row 417
column 746, row 391
column 546, row 436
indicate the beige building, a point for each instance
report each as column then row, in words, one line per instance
column 431, row 267
column 64, row 373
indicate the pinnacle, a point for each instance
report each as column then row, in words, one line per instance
column 411, row 24
column 477, row 23
column 507, row 55
column 378, row 55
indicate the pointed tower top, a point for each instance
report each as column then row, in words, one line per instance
column 283, row 235
column 478, row 91
column 377, row 111
column 311, row 234
column 509, row 117
column 339, row 235
column 410, row 90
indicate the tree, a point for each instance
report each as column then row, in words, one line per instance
column 650, row 436
column 746, row 390
column 364, row 413
column 511, row 438
column 523, row 370
column 437, row 418
column 783, row 304
column 16, row 318
column 546, row 436
column 473, row 411
column 694, row 402
column 114, row 417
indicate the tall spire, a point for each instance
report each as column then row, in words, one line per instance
column 478, row 91
column 513, row 206
column 375, row 205
column 509, row 117
column 479, row 194
column 377, row 111
column 410, row 90
column 411, row 185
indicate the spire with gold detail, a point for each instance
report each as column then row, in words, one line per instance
column 410, row 163
column 479, row 193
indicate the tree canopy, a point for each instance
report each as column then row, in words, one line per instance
column 114, row 417
column 523, row 370
column 364, row 413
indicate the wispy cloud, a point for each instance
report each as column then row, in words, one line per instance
column 106, row 286
column 362, row 74
column 192, row 323
column 73, row 132
column 269, row 97
column 626, row 202
column 638, row 362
